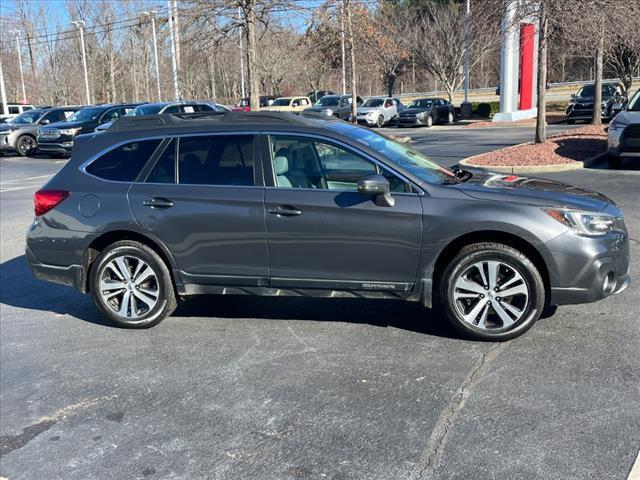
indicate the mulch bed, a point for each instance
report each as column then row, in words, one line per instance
column 564, row 147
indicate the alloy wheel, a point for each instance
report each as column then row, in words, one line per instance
column 25, row 145
column 491, row 295
column 129, row 287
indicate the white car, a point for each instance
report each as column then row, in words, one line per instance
column 379, row 111
column 624, row 133
column 13, row 110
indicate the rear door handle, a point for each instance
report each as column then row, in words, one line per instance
column 158, row 202
column 285, row 210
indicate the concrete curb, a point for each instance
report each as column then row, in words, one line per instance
column 556, row 167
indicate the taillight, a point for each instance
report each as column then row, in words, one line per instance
column 45, row 200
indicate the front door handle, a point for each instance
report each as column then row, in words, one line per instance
column 158, row 202
column 285, row 210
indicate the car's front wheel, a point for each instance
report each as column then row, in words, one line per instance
column 380, row 121
column 491, row 291
column 131, row 285
column 429, row 121
column 25, row 145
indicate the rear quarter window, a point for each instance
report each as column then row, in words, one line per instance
column 124, row 163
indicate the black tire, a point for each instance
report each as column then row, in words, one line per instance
column 25, row 145
column 166, row 301
column 450, row 118
column 380, row 121
column 478, row 252
column 570, row 121
column 615, row 161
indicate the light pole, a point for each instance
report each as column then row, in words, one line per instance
column 242, row 92
column 152, row 16
column 343, row 54
column 465, row 107
column 24, row 92
column 3, row 93
column 79, row 24
column 174, row 65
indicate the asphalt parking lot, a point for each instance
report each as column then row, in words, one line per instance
column 277, row 388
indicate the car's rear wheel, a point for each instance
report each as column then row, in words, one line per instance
column 491, row 291
column 131, row 285
column 429, row 121
column 570, row 121
column 380, row 121
column 449, row 118
column 25, row 145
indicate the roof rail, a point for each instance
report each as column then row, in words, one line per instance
column 185, row 119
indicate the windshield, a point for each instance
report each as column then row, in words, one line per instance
column 281, row 102
column 145, row 110
column 30, row 116
column 589, row 91
column 373, row 102
column 328, row 101
column 85, row 114
column 421, row 104
column 408, row 159
column 634, row 104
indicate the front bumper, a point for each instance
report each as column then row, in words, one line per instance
column 588, row 269
column 411, row 121
column 7, row 142
column 64, row 148
column 364, row 120
column 622, row 142
column 71, row 275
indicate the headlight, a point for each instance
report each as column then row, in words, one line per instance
column 70, row 131
column 590, row 224
column 328, row 112
column 421, row 114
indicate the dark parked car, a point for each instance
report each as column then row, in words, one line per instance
column 581, row 104
column 427, row 111
column 57, row 138
column 316, row 95
column 265, row 101
column 19, row 134
column 334, row 106
column 185, row 106
column 281, row 204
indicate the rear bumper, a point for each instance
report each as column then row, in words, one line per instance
column 71, row 275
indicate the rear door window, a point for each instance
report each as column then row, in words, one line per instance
column 124, row 163
column 164, row 170
column 216, row 160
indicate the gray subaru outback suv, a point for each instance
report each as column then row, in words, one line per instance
column 163, row 207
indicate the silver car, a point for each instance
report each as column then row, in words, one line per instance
column 624, row 133
column 19, row 134
column 379, row 111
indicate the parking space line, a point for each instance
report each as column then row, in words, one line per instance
column 634, row 474
column 25, row 179
column 35, row 185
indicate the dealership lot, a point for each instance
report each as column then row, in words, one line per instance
column 278, row 388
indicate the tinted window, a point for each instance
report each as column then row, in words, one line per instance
column 304, row 163
column 14, row 110
column 110, row 115
column 123, row 163
column 54, row 116
column 216, row 160
column 164, row 170
column 172, row 109
column 204, row 108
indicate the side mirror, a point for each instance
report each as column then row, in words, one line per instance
column 573, row 95
column 45, row 122
column 378, row 187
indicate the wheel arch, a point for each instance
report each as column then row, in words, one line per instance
column 101, row 242
column 510, row 239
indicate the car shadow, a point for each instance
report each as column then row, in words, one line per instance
column 19, row 288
